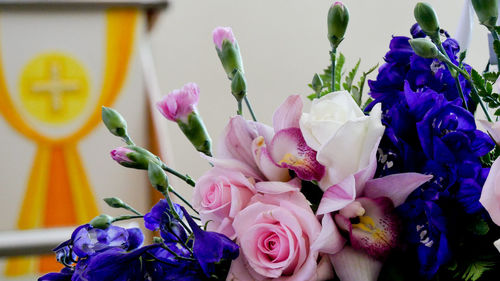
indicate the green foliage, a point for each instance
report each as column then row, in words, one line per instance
column 491, row 76
column 357, row 91
column 489, row 158
column 349, row 79
column 339, row 65
column 496, row 47
column 484, row 89
column 475, row 270
column 462, row 56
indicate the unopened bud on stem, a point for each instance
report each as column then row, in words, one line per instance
column 486, row 11
column 427, row 19
column 338, row 18
column 424, row 48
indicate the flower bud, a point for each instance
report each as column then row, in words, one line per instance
column 134, row 157
column 317, row 83
column 338, row 18
column 179, row 103
column 424, row 48
column 194, row 129
column 114, row 202
column 486, row 11
column 228, row 50
column 157, row 177
column 114, row 121
column 239, row 86
column 427, row 19
column 101, row 221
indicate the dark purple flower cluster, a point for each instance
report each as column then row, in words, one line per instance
column 115, row 253
column 429, row 131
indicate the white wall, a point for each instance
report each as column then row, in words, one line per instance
column 283, row 43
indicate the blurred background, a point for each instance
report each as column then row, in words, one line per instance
column 55, row 164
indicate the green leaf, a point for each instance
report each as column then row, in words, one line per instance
column 496, row 47
column 356, row 95
column 362, row 79
column 339, row 64
column 491, row 76
column 462, row 56
column 350, row 77
column 368, row 101
column 476, row 269
column 497, row 112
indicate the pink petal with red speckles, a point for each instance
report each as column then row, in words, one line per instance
column 289, row 150
column 266, row 164
column 377, row 230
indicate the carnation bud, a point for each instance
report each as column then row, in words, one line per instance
column 424, row 48
column 101, row 221
column 114, row 202
column 134, row 157
column 486, row 11
column 228, row 50
column 338, row 18
column 317, row 83
column 115, row 123
column 157, row 177
column 239, row 86
column 194, row 129
column 427, row 19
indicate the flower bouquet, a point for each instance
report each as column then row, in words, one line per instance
column 399, row 186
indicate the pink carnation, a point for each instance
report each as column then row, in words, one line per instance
column 178, row 104
column 222, row 33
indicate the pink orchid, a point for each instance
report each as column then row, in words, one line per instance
column 266, row 154
column 366, row 213
column 180, row 103
column 490, row 195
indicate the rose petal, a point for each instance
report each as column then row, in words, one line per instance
column 353, row 265
column 397, row 187
column 274, row 187
column 289, row 150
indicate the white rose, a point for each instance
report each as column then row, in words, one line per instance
column 344, row 137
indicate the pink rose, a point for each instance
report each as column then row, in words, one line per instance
column 490, row 196
column 178, row 104
column 219, row 195
column 280, row 238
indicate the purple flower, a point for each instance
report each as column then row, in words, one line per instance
column 65, row 275
column 211, row 248
column 160, row 218
column 179, row 104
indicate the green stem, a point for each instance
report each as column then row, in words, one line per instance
column 240, row 109
column 128, row 140
column 185, row 178
column 443, row 58
column 495, row 37
column 183, row 200
column 438, row 43
column 333, row 55
column 122, row 218
column 173, row 212
column 128, row 207
column 250, row 108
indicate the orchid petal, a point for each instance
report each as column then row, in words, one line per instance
column 353, row 265
column 289, row 150
column 265, row 163
column 377, row 231
column 288, row 113
column 234, row 165
column 493, row 129
column 397, row 187
column 329, row 240
column 324, row 271
column 338, row 196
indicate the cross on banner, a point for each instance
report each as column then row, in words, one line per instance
column 55, row 86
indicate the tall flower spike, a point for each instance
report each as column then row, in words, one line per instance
column 180, row 106
column 228, row 50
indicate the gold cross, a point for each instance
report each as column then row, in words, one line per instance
column 56, row 86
